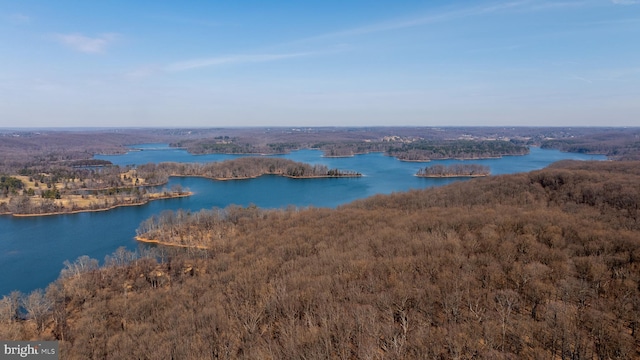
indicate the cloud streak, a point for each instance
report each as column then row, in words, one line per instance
column 184, row 20
column 580, row 78
column 18, row 18
column 397, row 24
column 625, row 2
column 86, row 44
column 232, row 59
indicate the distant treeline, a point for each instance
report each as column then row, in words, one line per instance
column 454, row 170
column 241, row 168
column 618, row 144
column 350, row 148
column 402, row 148
column 457, row 149
column 43, row 149
column 89, row 163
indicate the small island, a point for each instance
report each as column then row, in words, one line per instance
column 456, row 170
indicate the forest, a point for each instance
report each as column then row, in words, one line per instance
column 540, row 265
column 408, row 148
column 244, row 168
column 458, row 149
column 618, row 144
column 454, row 170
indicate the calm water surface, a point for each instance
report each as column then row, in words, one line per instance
column 33, row 249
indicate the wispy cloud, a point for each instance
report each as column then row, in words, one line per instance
column 185, row 20
column 18, row 18
column 625, row 2
column 86, row 44
column 232, row 59
column 616, row 21
column 443, row 16
column 615, row 75
column 143, row 72
column 580, row 78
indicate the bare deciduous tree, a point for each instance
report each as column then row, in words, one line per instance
column 37, row 306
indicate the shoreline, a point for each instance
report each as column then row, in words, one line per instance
column 276, row 174
column 417, row 161
column 451, row 176
column 462, row 158
column 323, row 176
column 99, row 210
column 164, row 243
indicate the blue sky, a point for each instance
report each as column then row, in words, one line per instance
column 319, row 63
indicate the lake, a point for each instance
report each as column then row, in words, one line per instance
column 33, row 249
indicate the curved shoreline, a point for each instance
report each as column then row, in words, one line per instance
column 452, row 176
column 101, row 209
column 416, row 161
column 276, row 174
column 164, row 243
column 462, row 158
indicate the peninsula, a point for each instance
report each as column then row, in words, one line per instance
column 46, row 194
column 71, row 190
column 455, row 170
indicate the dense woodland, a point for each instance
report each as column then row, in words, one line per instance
column 542, row 265
column 458, row 149
column 409, row 148
column 618, row 144
column 245, row 167
column 454, row 170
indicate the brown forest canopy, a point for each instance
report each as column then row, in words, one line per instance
column 453, row 170
column 618, row 144
column 246, row 167
column 541, row 265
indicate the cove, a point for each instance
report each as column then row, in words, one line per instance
column 32, row 249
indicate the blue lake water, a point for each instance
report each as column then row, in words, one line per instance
column 33, row 249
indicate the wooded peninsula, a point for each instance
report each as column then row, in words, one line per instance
column 72, row 190
column 455, row 170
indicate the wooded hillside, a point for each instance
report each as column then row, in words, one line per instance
column 543, row 265
column 455, row 149
column 618, row 144
column 242, row 168
column 454, row 170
